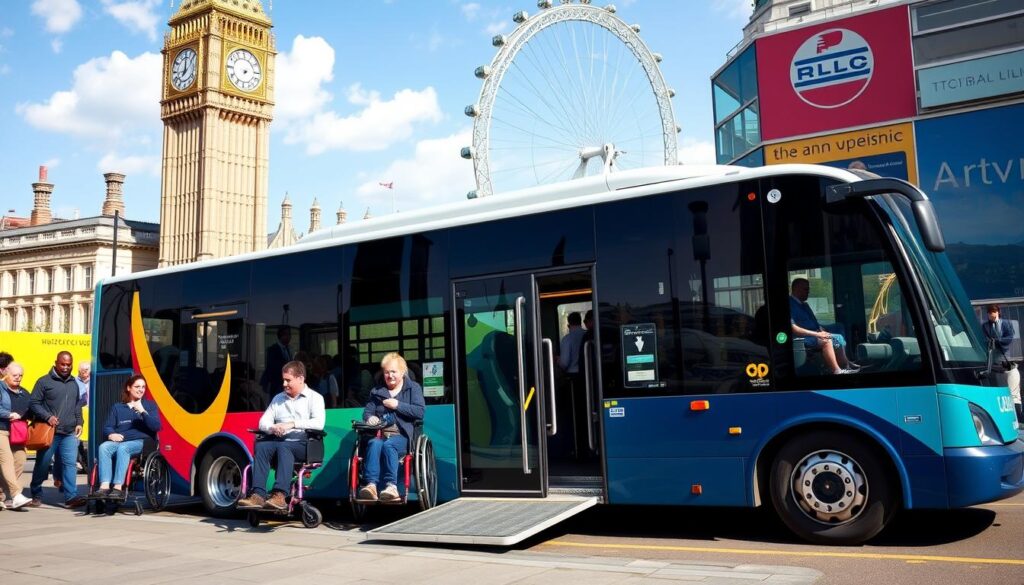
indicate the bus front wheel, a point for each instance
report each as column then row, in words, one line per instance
column 829, row 488
column 220, row 478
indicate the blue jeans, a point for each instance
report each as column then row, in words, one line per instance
column 390, row 449
column 118, row 455
column 287, row 453
column 67, row 446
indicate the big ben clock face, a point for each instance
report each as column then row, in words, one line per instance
column 183, row 70
column 243, row 69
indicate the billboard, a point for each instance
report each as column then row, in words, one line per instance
column 886, row 150
column 849, row 72
column 972, row 80
column 972, row 167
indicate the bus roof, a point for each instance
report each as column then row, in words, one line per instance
column 577, row 192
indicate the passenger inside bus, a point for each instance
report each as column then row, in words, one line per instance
column 827, row 339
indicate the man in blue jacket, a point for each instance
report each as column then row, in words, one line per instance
column 998, row 331
column 55, row 402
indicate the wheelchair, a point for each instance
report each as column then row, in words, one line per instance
column 148, row 468
column 417, row 471
column 310, row 515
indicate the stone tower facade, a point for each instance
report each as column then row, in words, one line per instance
column 314, row 216
column 41, row 204
column 218, row 99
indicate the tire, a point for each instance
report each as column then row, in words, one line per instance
column 220, row 479
column 846, row 495
column 426, row 473
column 358, row 510
column 311, row 516
column 156, row 478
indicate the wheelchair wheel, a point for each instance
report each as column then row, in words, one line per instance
column 254, row 519
column 426, row 472
column 311, row 516
column 156, row 478
column 358, row 510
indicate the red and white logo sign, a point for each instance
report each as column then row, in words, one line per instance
column 831, row 68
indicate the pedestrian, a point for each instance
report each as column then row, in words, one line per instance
column 84, row 372
column 14, row 406
column 55, row 402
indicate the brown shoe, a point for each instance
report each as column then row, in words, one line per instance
column 35, row 503
column 75, row 502
column 276, row 502
column 369, row 492
column 389, row 493
column 253, row 502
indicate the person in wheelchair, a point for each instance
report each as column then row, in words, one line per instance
column 395, row 405
column 130, row 422
column 284, row 425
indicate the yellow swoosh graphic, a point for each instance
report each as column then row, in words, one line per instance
column 193, row 428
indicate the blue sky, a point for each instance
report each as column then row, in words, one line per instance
column 366, row 92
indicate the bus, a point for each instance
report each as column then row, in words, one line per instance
column 692, row 388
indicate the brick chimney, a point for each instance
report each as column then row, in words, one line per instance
column 41, row 209
column 115, row 194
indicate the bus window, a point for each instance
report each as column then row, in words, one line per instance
column 844, row 311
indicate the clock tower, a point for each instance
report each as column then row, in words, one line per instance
column 218, row 101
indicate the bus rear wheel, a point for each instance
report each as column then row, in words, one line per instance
column 220, row 479
column 829, row 488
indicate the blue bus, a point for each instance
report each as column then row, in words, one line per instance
column 691, row 385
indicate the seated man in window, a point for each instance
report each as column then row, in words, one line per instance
column 805, row 325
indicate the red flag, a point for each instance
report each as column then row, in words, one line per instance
column 388, row 185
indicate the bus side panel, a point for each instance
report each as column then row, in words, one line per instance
column 330, row 481
column 662, row 437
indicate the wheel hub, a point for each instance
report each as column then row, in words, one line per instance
column 829, row 487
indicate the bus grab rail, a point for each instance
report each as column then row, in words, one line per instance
column 520, row 301
column 553, row 426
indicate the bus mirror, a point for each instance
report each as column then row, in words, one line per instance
column 924, row 213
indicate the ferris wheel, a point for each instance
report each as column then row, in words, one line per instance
column 573, row 91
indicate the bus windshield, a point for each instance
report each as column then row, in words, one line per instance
column 948, row 309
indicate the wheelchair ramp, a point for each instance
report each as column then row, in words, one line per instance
column 488, row 521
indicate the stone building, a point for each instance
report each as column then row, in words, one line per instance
column 49, row 266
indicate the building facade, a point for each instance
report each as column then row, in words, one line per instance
column 928, row 91
column 218, row 98
column 49, row 267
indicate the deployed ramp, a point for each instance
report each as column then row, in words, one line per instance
column 489, row 521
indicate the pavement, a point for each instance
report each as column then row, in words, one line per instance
column 51, row 544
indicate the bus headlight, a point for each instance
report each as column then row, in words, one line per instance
column 984, row 425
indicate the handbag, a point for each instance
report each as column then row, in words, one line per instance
column 40, row 436
column 19, row 432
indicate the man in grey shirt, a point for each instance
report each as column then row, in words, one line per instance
column 55, row 402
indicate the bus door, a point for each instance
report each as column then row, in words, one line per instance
column 500, row 397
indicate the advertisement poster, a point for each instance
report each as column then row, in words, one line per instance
column 887, row 151
column 972, row 167
column 640, row 355
column 849, row 72
column 433, row 379
column 972, row 80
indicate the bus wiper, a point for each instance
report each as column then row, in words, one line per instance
column 924, row 213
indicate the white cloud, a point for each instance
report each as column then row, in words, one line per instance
column 52, row 163
column 496, row 28
column 470, row 10
column 60, row 15
column 56, row 45
column 696, row 152
column 138, row 15
column 110, row 98
column 376, row 127
column 435, row 174
column 301, row 75
column 738, row 9
column 129, row 164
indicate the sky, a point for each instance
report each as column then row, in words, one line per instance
column 366, row 92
